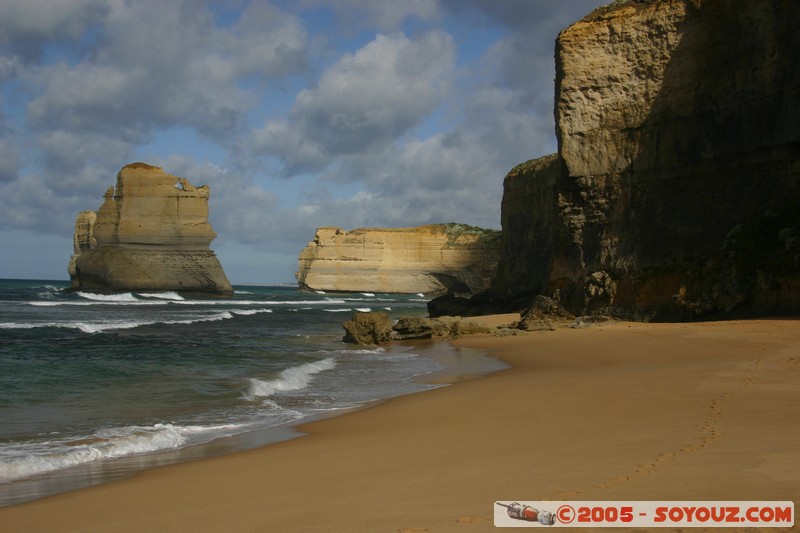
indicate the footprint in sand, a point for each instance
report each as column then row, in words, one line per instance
column 472, row 520
column 564, row 495
column 613, row 482
column 752, row 375
column 645, row 469
column 708, row 428
column 665, row 456
column 709, row 435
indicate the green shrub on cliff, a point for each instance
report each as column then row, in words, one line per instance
column 485, row 237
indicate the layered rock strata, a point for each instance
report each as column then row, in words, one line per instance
column 376, row 328
column 151, row 233
column 429, row 259
column 675, row 192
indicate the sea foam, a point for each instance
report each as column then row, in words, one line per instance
column 123, row 297
column 247, row 312
column 326, row 301
column 294, row 378
column 23, row 463
column 169, row 295
column 29, row 460
column 99, row 327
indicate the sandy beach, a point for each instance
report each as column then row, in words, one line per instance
column 626, row 411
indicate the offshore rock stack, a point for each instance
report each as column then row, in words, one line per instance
column 151, row 233
column 433, row 259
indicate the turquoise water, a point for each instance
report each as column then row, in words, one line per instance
column 88, row 380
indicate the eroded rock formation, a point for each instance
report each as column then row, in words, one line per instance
column 675, row 193
column 429, row 259
column 366, row 329
column 376, row 328
column 151, row 233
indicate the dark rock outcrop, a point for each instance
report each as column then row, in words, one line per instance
column 368, row 329
column 543, row 314
column 375, row 328
column 412, row 327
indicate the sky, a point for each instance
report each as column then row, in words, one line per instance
column 297, row 114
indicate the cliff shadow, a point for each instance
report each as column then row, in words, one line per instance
column 708, row 211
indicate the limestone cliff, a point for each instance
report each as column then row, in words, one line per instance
column 675, row 193
column 428, row 259
column 151, row 233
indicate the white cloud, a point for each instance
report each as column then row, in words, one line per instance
column 387, row 15
column 9, row 151
column 398, row 129
column 363, row 102
column 9, row 159
column 88, row 98
column 99, row 78
column 26, row 26
column 165, row 63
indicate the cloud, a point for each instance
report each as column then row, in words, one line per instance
column 503, row 117
column 547, row 17
column 396, row 114
column 365, row 101
column 165, row 63
column 100, row 78
column 28, row 26
column 29, row 204
column 403, row 176
column 9, row 152
column 9, row 159
column 449, row 176
column 386, row 15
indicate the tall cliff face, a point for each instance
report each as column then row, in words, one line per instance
column 675, row 193
column 151, row 233
column 429, row 259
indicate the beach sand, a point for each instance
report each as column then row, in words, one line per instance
column 626, row 411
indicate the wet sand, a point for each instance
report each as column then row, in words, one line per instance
column 627, row 411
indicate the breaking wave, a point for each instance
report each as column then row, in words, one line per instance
column 99, row 327
column 124, row 297
column 291, row 379
column 27, row 460
column 169, row 295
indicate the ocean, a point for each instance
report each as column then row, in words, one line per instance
column 94, row 387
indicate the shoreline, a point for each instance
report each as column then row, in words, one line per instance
column 625, row 411
column 457, row 365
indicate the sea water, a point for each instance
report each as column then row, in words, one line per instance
column 91, row 380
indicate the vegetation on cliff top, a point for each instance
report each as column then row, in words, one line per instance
column 532, row 164
column 601, row 11
column 455, row 230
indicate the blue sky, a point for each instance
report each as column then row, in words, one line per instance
column 297, row 114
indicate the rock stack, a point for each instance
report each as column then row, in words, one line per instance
column 432, row 259
column 151, row 233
